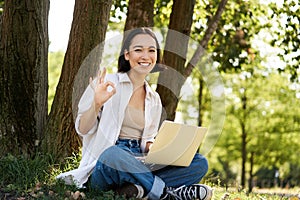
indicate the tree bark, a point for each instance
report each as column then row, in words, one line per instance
column 140, row 14
column 170, row 81
column 23, row 75
column 90, row 20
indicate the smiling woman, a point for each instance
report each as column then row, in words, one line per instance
column 118, row 119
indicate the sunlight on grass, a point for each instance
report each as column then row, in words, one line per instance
column 220, row 193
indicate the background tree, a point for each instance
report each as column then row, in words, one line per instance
column 88, row 30
column 268, row 123
column 23, row 75
column 275, row 141
column 231, row 48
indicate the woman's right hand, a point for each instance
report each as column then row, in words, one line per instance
column 103, row 90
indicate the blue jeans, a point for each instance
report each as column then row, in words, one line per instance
column 118, row 165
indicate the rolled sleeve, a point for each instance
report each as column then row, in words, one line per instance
column 91, row 131
column 84, row 104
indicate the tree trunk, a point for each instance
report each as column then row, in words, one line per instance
column 170, row 81
column 140, row 14
column 23, row 75
column 250, row 187
column 244, row 139
column 168, row 87
column 90, row 20
column 200, row 102
column 244, row 156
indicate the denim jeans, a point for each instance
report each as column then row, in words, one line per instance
column 118, row 165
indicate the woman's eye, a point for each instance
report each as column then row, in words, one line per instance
column 138, row 50
column 152, row 50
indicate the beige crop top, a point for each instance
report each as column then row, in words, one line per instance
column 133, row 124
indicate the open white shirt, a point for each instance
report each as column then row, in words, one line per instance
column 105, row 131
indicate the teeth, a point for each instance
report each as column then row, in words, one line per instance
column 145, row 64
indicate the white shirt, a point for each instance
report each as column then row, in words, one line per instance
column 105, row 131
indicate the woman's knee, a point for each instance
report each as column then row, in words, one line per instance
column 113, row 156
column 107, row 155
column 201, row 164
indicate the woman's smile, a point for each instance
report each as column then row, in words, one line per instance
column 142, row 54
column 144, row 64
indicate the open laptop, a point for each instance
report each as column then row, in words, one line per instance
column 175, row 144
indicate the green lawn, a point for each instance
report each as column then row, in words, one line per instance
column 58, row 191
column 23, row 178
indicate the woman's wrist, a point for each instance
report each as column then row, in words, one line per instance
column 96, row 107
column 148, row 146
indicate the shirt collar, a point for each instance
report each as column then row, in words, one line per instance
column 123, row 78
column 149, row 90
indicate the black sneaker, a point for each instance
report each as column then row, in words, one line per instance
column 196, row 191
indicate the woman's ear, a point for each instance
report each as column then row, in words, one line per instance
column 126, row 54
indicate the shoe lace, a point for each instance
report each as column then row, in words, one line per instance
column 183, row 192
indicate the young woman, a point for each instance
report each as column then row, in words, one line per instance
column 118, row 119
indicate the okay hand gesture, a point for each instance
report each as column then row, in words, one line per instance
column 103, row 90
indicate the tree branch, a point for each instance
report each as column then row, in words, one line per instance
column 212, row 26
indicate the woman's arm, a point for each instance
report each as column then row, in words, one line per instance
column 101, row 95
column 88, row 118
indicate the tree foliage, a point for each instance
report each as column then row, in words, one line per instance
column 286, row 34
column 270, row 121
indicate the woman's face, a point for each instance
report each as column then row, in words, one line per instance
column 142, row 54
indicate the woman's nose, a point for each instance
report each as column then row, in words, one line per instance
column 145, row 55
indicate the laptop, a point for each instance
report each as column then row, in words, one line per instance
column 175, row 144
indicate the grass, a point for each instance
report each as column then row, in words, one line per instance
column 23, row 178
column 270, row 194
column 20, row 173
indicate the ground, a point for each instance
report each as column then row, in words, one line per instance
column 41, row 191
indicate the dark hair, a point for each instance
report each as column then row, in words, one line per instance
column 123, row 64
